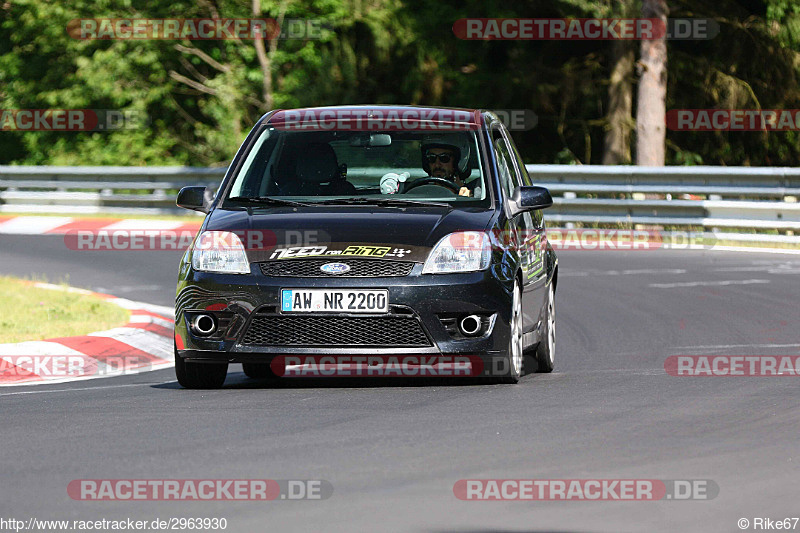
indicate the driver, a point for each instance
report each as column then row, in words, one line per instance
column 446, row 157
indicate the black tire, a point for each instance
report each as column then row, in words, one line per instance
column 258, row 371
column 200, row 375
column 545, row 351
column 515, row 346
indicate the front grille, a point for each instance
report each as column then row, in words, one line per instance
column 393, row 330
column 359, row 268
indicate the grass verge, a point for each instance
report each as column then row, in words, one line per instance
column 31, row 313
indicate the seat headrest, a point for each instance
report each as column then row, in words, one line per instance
column 317, row 164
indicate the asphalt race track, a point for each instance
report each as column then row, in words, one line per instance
column 393, row 450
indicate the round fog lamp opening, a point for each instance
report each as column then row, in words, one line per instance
column 204, row 324
column 470, row 325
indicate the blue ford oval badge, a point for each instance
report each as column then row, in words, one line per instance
column 335, row 268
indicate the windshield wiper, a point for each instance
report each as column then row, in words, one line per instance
column 388, row 202
column 267, row 200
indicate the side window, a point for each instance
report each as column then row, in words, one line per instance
column 504, row 163
column 524, row 179
column 523, row 172
column 514, row 180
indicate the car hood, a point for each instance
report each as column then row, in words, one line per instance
column 406, row 233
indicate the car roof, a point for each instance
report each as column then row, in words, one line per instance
column 469, row 118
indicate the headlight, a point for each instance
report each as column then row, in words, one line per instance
column 466, row 251
column 219, row 251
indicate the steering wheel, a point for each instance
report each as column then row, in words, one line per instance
column 430, row 180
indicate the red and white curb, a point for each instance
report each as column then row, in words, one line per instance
column 144, row 344
column 33, row 225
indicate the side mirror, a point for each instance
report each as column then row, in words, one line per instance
column 529, row 198
column 195, row 198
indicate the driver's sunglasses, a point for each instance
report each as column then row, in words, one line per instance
column 444, row 158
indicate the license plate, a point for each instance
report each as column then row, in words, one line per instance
column 334, row 301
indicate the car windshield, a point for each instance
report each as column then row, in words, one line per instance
column 361, row 168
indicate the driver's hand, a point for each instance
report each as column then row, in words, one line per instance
column 464, row 192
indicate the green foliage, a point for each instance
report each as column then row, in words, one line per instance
column 202, row 97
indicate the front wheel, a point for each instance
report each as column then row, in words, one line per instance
column 200, row 375
column 514, row 358
column 545, row 352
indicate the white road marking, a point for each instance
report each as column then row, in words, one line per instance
column 745, row 269
column 775, row 269
column 642, row 372
column 131, row 305
column 753, row 250
column 143, row 224
column 52, row 287
column 31, row 348
column 149, row 319
column 131, row 288
column 32, row 225
column 709, row 283
column 729, row 346
column 143, row 340
column 86, row 388
column 625, row 272
column 654, row 271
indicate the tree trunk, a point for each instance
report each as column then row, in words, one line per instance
column 651, row 101
column 265, row 61
column 617, row 145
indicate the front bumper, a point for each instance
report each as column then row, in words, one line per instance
column 432, row 299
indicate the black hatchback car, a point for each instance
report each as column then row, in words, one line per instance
column 369, row 231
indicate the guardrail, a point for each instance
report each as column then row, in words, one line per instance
column 739, row 198
column 744, row 198
column 144, row 190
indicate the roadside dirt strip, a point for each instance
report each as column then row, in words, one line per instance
column 143, row 344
